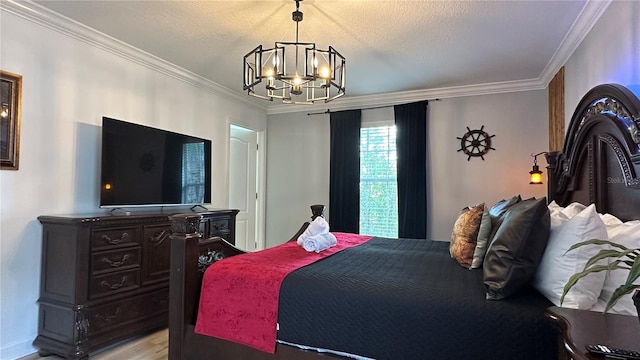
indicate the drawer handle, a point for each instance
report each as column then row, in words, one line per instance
column 116, row 263
column 114, row 286
column 219, row 226
column 158, row 238
column 109, row 318
column 111, row 241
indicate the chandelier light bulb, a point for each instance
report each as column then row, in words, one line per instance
column 268, row 72
column 325, row 72
column 296, row 89
column 325, row 77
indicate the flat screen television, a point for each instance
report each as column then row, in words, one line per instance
column 146, row 166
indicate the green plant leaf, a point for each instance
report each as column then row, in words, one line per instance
column 596, row 242
column 634, row 272
column 628, row 286
column 621, row 291
column 627, row 259
column 607, row 253
column 575, row 277
column 628, row 262
column 615, row 265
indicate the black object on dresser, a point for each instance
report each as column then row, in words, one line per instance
column 105, row 278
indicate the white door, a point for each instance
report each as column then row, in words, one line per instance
column 243, row 149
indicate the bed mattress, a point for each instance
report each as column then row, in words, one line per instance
column 408, row 299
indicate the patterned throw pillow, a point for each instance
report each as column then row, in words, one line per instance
column 465, row 235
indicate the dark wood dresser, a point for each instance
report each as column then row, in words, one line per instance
column 580, row 328
column 105, row 278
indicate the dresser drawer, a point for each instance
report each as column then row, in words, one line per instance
column 115, row 260
column 128, row 311
column 157, row 254
column 217, row 226
column 115, row 237
column 113, row 283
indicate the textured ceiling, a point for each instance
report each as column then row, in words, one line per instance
column 390, row 46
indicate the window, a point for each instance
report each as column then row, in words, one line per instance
column 378, row 181
column 193, row 175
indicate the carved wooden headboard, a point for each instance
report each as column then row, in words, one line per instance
column 600, row 161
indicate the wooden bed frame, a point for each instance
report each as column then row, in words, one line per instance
column 599, row 164
column 600, row 160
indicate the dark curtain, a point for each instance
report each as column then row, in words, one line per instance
column 344, row 183
column 411, row 143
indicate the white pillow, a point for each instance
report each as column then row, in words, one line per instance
column 558, row 265
column 627, row 234
column 553, row 204
column 573, row 209
column 554, row 207
column 557, row 217
column 610, row 220
column 557, row 220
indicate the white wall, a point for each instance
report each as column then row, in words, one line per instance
column 609, row 54
column 68, row 85
column 520, row 124
column 298, row 158
column 297, row 171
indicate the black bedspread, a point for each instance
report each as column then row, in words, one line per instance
column 408, row 299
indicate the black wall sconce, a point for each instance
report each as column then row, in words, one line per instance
column 535, row 173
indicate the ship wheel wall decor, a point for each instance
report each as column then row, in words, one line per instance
column 475, row 143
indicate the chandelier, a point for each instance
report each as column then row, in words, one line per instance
column 296, row 72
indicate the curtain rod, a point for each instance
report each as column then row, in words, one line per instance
column 328, row 111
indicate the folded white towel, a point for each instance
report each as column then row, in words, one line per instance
column 319, row 242
column 318, row 226
column 303, row 236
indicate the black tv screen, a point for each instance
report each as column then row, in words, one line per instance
column 146, row 166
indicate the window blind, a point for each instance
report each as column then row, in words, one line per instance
column 378, row 182
column 193, row 176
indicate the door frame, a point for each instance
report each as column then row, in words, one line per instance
column 261, row 176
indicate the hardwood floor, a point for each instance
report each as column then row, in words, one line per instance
column 150, row 347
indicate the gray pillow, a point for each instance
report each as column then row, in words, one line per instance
column 497, row 211
column 517, row 248
column 483, row 238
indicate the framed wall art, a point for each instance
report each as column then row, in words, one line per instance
column 10, row 103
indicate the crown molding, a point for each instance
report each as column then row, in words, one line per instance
column 28, row 10
column 403, row 97
column 581, row 27
column 42, row 16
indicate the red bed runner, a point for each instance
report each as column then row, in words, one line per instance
column 239, row 298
